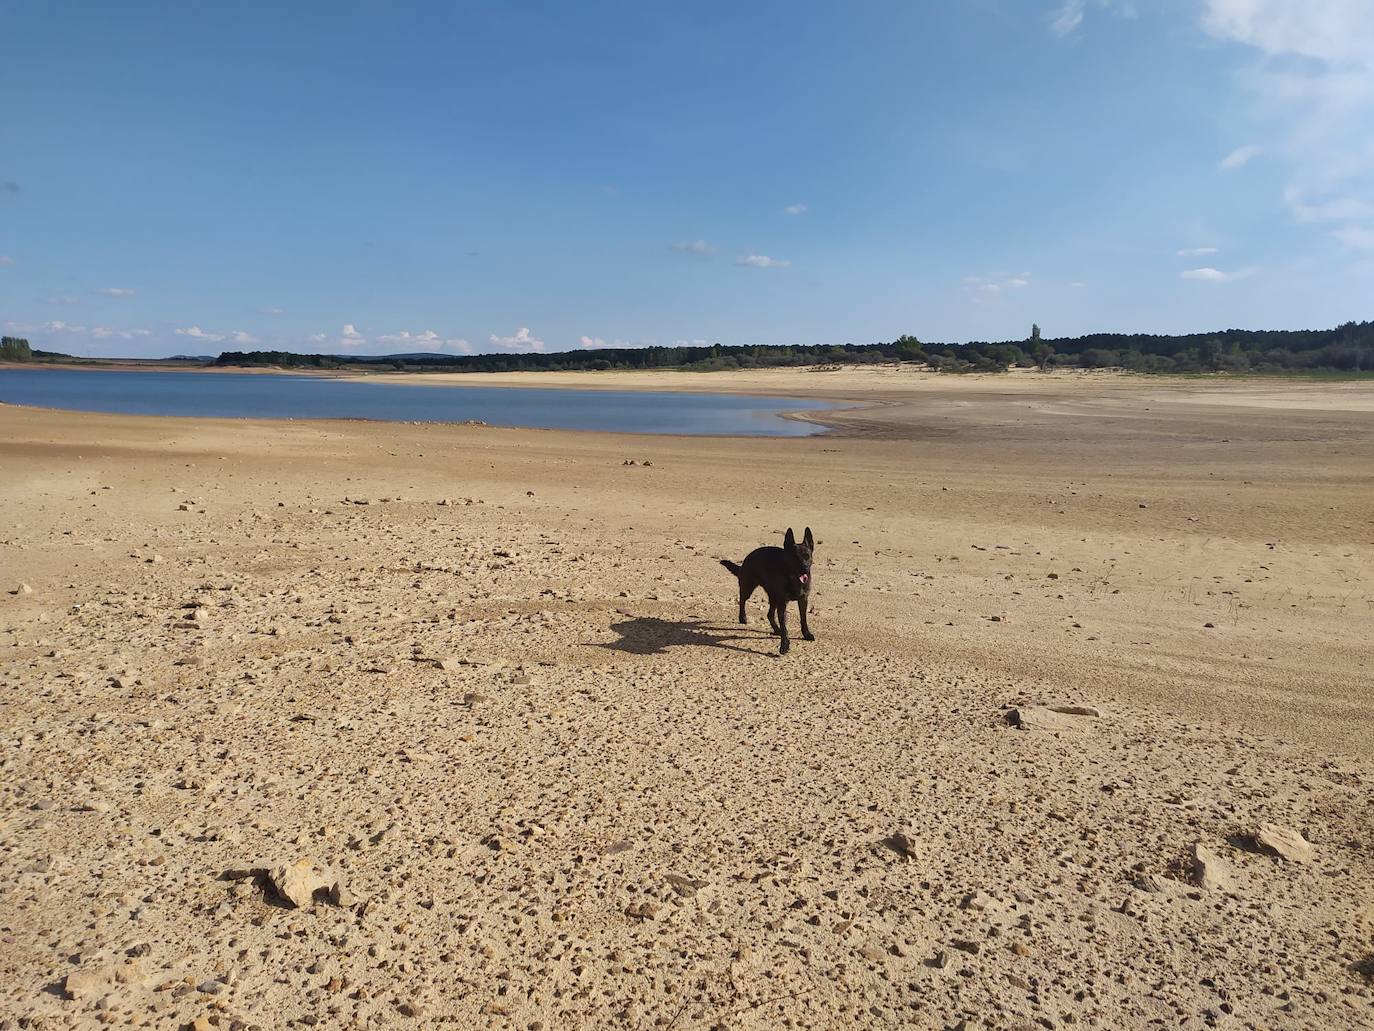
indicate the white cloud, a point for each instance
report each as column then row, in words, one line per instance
column 272, row 311
column 599, row 343
column 425, row 340
column 796, row 209
column 981, row 289
column 1240, row 157
column 1359, row 237
column 64, row 301
column 115, row 291
column 699, row 248
column 761, row 261
column 196, row 333
column 237, row 336
column 1207, row 275
column 521, row 341
column 5, row 259
column 1076, row 286
column 317, row 338
column 1195, row 252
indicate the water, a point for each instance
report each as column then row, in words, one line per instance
column 268, row 396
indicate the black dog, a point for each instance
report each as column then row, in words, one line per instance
column 785, row 575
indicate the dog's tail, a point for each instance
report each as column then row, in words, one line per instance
column 731, row 566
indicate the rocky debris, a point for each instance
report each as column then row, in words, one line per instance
column 1284, row 842
column 1154, row 884
column 23, row 588
column 1209, row 871
column 643, row 910
column 687, row 887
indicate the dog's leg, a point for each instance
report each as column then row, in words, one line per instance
column 807, row 635
column 745, row 589
column 782, row 628
column 772, row 616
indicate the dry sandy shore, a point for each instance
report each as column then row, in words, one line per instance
column 556, row 786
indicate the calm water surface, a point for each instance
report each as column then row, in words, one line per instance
column 267, row 396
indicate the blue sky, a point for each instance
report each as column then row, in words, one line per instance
column 379, row 177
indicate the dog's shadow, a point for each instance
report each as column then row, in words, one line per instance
column 646, row 635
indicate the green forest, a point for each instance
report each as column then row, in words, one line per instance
column 1348, row 348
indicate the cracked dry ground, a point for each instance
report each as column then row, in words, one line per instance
column 561, row 788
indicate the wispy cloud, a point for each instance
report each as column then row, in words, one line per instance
column 697, row 248
column 65, row 302
column 1240, row 157
column 1195, row 252
column 761, row 261
column 1359, row 237
column 115, row 291
column 5, row 260
column 521, row 340
column 62, row 328
column 272, row 311
column 9, row 187
column 1312, row 91
column 1068, row 16
column 796, row 209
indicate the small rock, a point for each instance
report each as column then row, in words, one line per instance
column 411, row 1008
column 22, row 589
column 89, row 984
column 1283, row 842
column 1209, row 872
column 297, row 882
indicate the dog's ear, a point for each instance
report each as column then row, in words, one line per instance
column 790, row 541
column 809, row 541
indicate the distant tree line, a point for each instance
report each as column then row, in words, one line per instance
column 15, row 349
column 1347, row 348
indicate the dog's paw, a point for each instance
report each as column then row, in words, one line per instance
column 784, row 648
column 808, row 637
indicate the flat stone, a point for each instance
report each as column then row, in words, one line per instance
column 1284, row 842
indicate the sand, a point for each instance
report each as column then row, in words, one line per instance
column 541, row 778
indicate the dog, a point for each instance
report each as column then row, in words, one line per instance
column 785, row 575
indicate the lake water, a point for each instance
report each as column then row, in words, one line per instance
column 268, row 396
